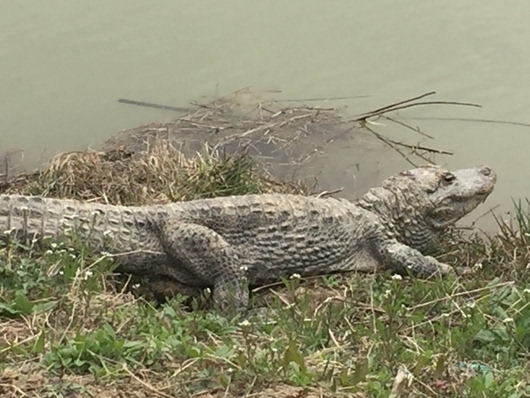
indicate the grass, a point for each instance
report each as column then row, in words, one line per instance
column 66, row 331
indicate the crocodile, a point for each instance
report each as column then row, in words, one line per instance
column 228, row 244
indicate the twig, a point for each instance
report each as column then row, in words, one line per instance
column 459, row 119
column 435, row 103
column 17, row 389
column 390, row 144
column 328, row 193
column 399, row 103
column 322, row 99
column 490, row 211
column 421, row 148
column 402, row 382
column 151, row 105
column 416, row 130
column 418, row 104
column 146, row 385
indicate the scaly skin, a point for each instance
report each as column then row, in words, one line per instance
column 228, row 243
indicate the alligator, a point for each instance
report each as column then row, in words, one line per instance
column 228, row 244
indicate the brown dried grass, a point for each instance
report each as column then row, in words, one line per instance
column 157, row 174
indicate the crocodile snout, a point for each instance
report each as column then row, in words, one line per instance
column 488, row 181
column 486, row 170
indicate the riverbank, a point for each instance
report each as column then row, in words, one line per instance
column 67, row 330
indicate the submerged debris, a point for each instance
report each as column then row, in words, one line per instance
column 231, row 145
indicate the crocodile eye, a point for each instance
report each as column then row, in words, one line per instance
column 448, row 177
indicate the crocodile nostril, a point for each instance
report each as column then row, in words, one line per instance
column 485, row 170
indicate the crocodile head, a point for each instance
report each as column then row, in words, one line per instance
column 417, row 204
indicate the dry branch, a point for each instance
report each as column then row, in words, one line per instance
column 151, row 105
column 400, row 105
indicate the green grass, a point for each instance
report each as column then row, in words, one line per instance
column 65, row 329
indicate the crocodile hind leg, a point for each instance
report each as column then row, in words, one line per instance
column 212, row 260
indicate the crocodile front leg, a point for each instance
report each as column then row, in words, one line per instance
column 404, row 260
column 212, row 260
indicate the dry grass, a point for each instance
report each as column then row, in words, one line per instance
column 158, row 173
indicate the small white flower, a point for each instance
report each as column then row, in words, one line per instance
column 88, row 274
column 507, row 320
column 387, row 293
column 72, row 255
column 61, row 272
column 244, row 323
column 53, row 245
column 48, row 252
column 136, row 286
column 397, row 277
column 243, row 268
column 8, row 231
column 295, row 276
column 108, row 233
column 471, row 304
column 478, row 265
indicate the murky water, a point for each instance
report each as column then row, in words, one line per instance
column 65, row 64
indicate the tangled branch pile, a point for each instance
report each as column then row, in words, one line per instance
column 228, row 146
